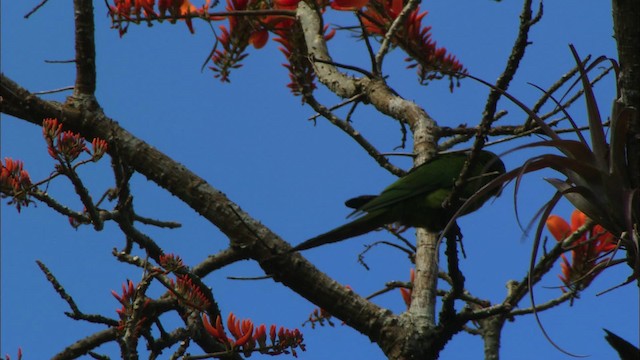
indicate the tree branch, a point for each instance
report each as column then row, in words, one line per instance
column 246, row 234
column 85, row 60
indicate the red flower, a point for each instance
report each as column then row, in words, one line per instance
column 413, row 37
column 70, row 145
column 348, row 5
column 259, row 38
column 286, row 4
column 123, row 12
column 189, row 293
column 15, row 182
column 51, row 128
column 99, row 147
column 171, row 262
column 587, row 250
column 406, row 293
column 67, row 145
column 127, row 299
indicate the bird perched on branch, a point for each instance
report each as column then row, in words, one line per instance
column 417, row 199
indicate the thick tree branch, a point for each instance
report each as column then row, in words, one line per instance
column 246, row 234
column 424, row 129
column 85, row 86
column 375, row 90
column 83, row 346
column 626, row 29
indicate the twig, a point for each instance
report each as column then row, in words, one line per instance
column 448, row 312
column 52, row 91
column 354, row 134
column 57, row 287
column 553, row 88
column 395, row 26
column 548, row 305
column 218, row 261
column 158, row 223
column 55, row 205
column 410, row 252
column 75, row 310
column 517, row 53
column 391, row 285
column 59, row 61
column 337, row 106
column 365, row 36
column 250, row 278
column 36, row 8
column 344, row 66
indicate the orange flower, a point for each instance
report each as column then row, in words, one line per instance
column 558, row 227
column 241, row 330
column 246, row 339
column 217, row 331
column 587, row 250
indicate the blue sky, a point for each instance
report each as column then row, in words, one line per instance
column 252, row 140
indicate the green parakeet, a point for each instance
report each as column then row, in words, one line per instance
column 417, row 198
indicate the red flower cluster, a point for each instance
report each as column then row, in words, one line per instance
column 170, row 262
column 413, row 38
column 234, row 40
column 283, row 341
column 189, row 293
column 127, row 299
column 99, row 147
column 319, row 317
column 123, row 12
column 15, row 182
column 66, row 145
column 301, row 72
column 587, row 253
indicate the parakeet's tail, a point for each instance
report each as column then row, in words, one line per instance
column 368, row 222
column 625, row 349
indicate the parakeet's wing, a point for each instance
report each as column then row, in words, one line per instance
column 439, row 173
